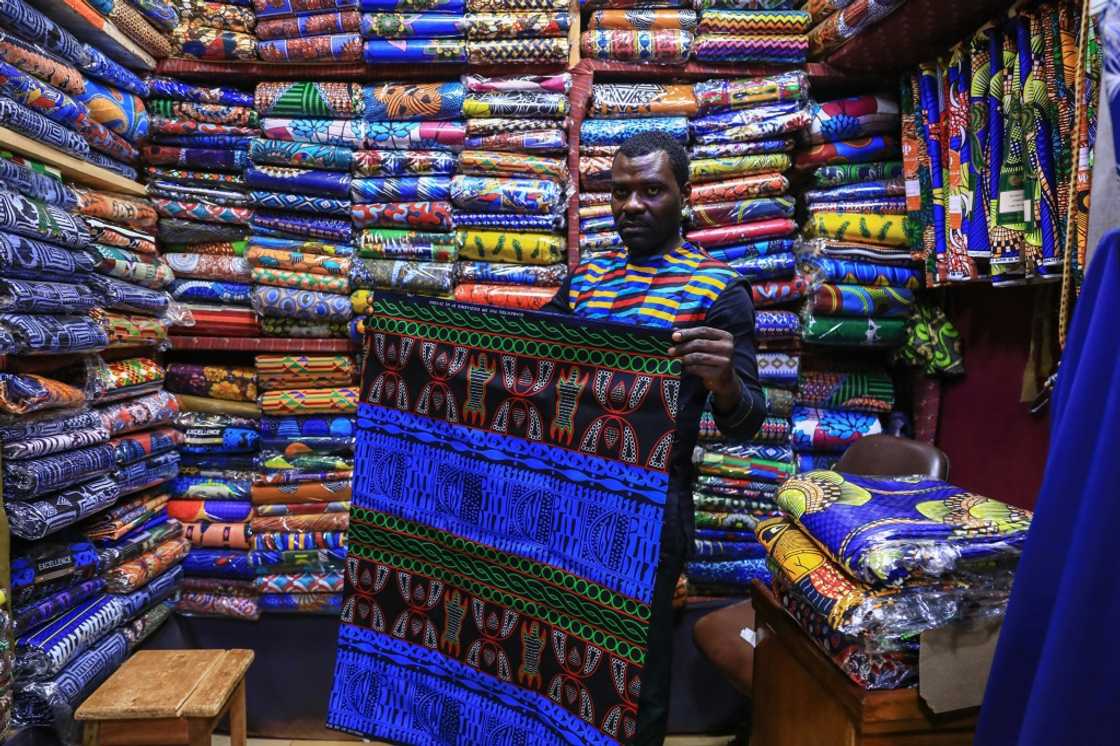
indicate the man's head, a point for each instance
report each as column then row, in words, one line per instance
column 649, row 187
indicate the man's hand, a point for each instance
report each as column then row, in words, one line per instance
column 708, row 354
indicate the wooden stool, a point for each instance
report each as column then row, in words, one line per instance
column 169, row 697
column 802, row 698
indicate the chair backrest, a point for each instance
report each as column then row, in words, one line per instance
column 888, row 456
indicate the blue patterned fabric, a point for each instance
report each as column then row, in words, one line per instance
column 109, row 71
column 33, row 124
column 299, row 180
column 617, row 131
column 401, row 189
column 179, row 91
column 32, row 520
column 201, row 487
column 36, row 613
column 752, row 250
column 35, row 219
column 22, row 19
column 26, row 479
column 26, row 296
column 19, row 178
column 506, row 221
column 736, row 573
column 43, row 653
column 56, row 334
column 31, row 259
column 212, row 291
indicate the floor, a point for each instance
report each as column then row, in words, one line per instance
column 671, row 741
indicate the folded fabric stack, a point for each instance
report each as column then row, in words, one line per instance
column 302, row 245
column 220, row 429
column 836, row 405
column 734, row 34
column 49, row 300
column 131, row 277
column 80, row 607
column 657, row 31
column 308, row 31
column 199, row 145
column 146, row 23
column 1000, row 179
column 615, row 113
column 78, row 619
column 836, row 22
column 511, row 192
column 402, row 190
column 411, row 31
column 867, row 564
column 216, row 30
column 741, row 212
column 863, row 276
column 67, row 94
column 301, row 496
column 511, row 32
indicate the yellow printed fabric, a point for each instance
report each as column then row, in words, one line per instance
column 882, row 230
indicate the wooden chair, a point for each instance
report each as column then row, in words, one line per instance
column 717, row 635
column 174, row 697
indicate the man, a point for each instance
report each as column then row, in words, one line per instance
column 660, row 280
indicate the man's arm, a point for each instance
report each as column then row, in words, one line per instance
column 722, row 355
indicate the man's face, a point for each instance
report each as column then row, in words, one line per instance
column 646, row 202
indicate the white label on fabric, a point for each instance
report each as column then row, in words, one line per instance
column 1011, row 202
column 913, row 188
column 1028, row 212
column 748, row 634
column 1083, row 158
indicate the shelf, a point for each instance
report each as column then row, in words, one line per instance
column 251, row 73
column 261, row 344
column 919, row 31
column 82, row 20
column 72, row 167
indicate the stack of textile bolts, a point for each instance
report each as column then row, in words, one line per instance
column 402, row 32
column 87, row 446
column 198, row 147
column 773, row 37
column 836, row 22
column 148, row 24
column 718, row 31
column 301, row 497
column 862, row 273
column 511, row 191
column 1003, row 129
column 220, row 431
column 67, row 94
column 531, row 32
column 741, row 213
column 402, row 190
column 302, row 234
column 865, row 565
column 308, row 31
column 217, row 30
column 617, row 30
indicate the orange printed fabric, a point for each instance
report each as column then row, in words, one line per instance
column 304, row 371
column 342, row 400
column 306, row 492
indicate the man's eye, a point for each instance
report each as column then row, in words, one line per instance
column 620, row 194
column 653, row 191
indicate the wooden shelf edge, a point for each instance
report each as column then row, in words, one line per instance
column 261, row 344
column 72, row 167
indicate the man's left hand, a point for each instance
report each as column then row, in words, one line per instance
column 708, row 354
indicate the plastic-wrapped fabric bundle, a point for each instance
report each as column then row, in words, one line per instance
column 854, row 332
column 381, row 163
column 413, row 101
column 517, row 248
column 512, row 274
column 436, row 25
column 33, row 519
column 846, row 23
column 36, row 613
column 298, row 180
column 217, row 535
column 663, row 46
column 43, row 653
column 400, row 189
column 862, row 301
column 852, row 118
column 346, row 47
column 869, row 149
column 136, row 573
column 641, row 99
column 218, row 563
column 306, row 582
column 758, row 48
column 516, row 104
column 883, row 230
column 199, row 487
column 26, row 479
column 643, row 19
column 505, row 25
column 215, row 44
column 483, row 194
column 710, row 215
column 202, row 603
column 306, row 305
column 435, row 278
column 300, row 155
column 388, row 51
column 857, row 391
column 538, row 51
column 45, row 445
column 128, row 449
column 617, row 131
column 388, row 243
column 422, row 216
column 272, row 223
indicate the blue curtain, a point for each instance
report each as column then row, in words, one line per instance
column 1054, row 679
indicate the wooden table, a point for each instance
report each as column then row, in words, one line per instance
column 802, row 698
column 169, row 697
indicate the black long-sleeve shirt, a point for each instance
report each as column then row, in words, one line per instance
column 732, row 311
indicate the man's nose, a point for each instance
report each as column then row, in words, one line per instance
column 633, row 204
